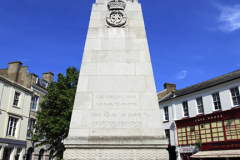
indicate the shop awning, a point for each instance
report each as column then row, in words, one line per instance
column 217, row 154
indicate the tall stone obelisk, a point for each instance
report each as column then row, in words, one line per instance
column 116, row 114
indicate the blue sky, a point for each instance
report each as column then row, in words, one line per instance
column 190, row 41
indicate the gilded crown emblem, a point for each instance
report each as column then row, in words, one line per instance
column 116, row 5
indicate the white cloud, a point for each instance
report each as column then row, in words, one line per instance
column 182, row 74
column 200, row 71
column 230, row 17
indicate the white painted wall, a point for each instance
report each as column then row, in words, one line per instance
column 175, row 108
column 7, row 109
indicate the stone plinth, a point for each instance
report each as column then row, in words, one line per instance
column 116, row 113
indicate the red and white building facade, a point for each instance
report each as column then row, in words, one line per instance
column 209, row 113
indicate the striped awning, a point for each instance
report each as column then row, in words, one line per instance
column 217, row 154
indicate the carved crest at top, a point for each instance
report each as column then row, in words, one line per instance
column 116, row 5
column 116, row 16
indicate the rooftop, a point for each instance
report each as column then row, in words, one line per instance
column 203, row 85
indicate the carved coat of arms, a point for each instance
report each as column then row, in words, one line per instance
column 116, row 16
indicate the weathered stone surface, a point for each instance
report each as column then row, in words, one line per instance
column 117, row 154
column 116, row 114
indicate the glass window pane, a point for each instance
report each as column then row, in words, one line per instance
column 220, row 129
column 214, row 124
column 215, row 139
column 221, row 139
column 220, row 134
column 209, row 139
column 207, row 125
column 219, row 123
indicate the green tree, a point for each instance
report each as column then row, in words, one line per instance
column 53, row 120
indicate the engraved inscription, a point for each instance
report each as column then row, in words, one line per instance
column 112, row 101
column 118, row 119
column 116, row 141
column 117, row 123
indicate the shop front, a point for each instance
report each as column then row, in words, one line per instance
column 218, row 133
column 186, row 152
column 12, row 149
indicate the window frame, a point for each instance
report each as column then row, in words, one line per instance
column 185, row 108
column 200, row 105
column 18, row 100
column 11, row 130
column 31, row 126
column 41, row 154
column 236, row 96
column 166, row 114
column 35, row 103
column 167, row 135
column 217, row 101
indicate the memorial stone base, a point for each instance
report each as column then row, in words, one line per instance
column 116, row 114
column 124, row 153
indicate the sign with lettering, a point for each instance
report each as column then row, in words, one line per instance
column 187, row 149
column 208, row 118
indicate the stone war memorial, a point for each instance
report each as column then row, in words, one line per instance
column 116, row 114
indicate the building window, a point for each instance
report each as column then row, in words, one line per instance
column 29, row 153
column 200, row 105
column 51, row 155
column 185, row 109
column 205, row 130
column 35, row 102
column 16, row 99
column 216, row 101
column 192, row 134
column 41, row 153
column 19, row 150
column 166, row 116
column 217, row 131
column 232, row 129
column 45, row 84
column 167, row 134
column 12, row 124
column 182, row 139
column 31, row 126
column 7, row 153
column 235, row 96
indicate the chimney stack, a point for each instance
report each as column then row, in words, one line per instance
column 48, row 76
column 13, row 70
column 171, row 87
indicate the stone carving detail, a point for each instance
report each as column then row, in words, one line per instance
column 116, row 16
column 116, row 154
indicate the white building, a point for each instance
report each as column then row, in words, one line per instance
column 21, row 77
column 15, row 100
column 192, row 113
